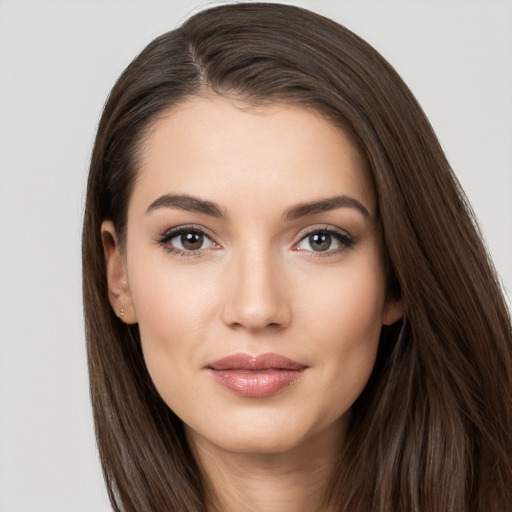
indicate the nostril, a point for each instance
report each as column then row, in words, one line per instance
column 255, row 300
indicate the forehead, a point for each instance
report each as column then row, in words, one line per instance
column 219, row 148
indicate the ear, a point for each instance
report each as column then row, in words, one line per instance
column 393, row 311
column 119, row 293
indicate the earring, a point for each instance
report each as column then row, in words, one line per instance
column 122, row 312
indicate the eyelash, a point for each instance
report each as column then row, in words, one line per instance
column 168, row 235
column 346, row 241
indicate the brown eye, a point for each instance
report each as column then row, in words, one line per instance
column 186, row 240
column 320, row 241
column 192, row 241
column 328, row 241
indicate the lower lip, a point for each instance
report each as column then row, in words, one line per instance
column 256, row 384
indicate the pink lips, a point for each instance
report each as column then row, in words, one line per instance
column 256, row 376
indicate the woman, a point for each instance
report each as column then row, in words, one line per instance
column 288, row 305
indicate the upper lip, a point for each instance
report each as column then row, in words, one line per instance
column 249, row 362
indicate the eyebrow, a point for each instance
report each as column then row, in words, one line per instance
column 187, row 203
column 325, row 205
column 195, row 204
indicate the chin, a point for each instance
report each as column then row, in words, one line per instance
column 265, row 434
column 264, row 443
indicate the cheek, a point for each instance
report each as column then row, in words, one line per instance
column 348, row 303
column 346, row 323
column 174, row 308
column 167, row 296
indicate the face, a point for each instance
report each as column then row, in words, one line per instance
column 252, row 266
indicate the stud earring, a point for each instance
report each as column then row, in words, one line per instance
column 122, row 312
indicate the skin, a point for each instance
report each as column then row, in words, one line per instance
column 257, row 284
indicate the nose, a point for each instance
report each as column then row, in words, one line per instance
column 256, row 293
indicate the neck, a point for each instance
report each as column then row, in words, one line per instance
column 296, row 480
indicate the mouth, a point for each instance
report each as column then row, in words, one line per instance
column 256, row 376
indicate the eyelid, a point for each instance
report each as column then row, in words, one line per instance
column 343, row 237
column 323, row 227
column 187, row 227
column 176, row 231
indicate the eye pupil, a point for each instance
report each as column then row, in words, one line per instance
column 320, row 241
column 192, row 241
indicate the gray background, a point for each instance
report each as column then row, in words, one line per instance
column 58, row 60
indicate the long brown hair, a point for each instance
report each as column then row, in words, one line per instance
column 432, row 430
